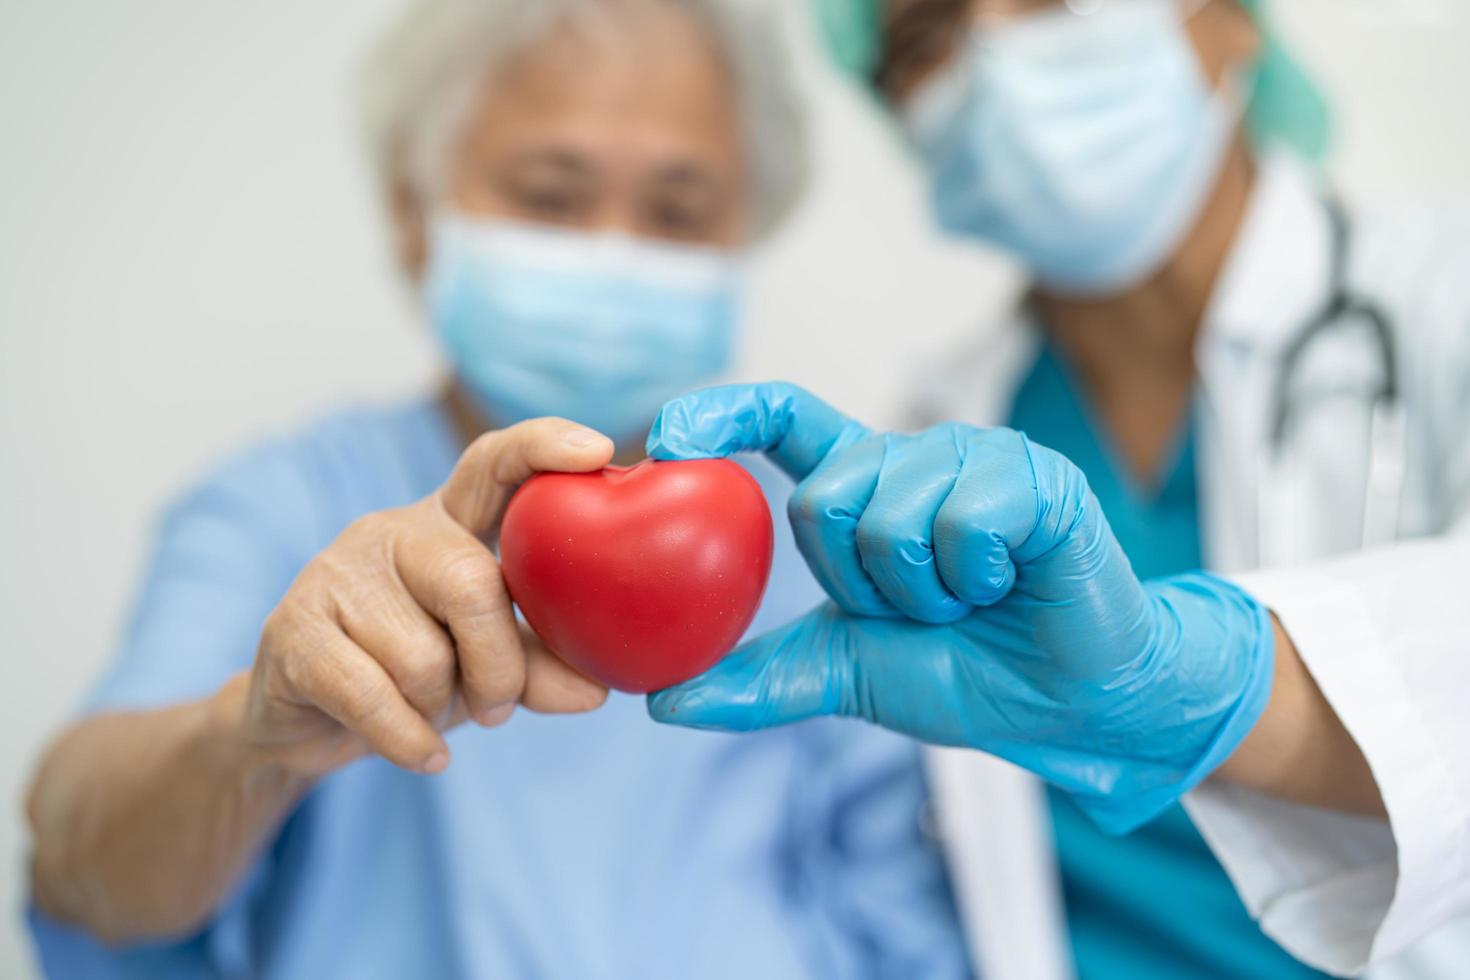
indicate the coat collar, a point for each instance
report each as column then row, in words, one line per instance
column 1278, row 274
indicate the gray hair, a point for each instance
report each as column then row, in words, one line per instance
column 419, row 83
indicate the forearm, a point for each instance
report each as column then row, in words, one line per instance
column 1299, row 750
column 143, row 821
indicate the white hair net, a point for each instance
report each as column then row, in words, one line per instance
column 419, row 83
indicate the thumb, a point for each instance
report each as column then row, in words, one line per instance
column 796, row 428
column 499, row 462
column 800, row 671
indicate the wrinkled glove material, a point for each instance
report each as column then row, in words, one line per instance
column 980, row 600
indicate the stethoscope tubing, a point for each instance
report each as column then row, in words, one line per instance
column 1387, row 434
column 1341, row 305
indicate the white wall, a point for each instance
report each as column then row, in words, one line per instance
column 189, row 256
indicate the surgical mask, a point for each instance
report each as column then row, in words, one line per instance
column 1086, row 145
column 598, row 328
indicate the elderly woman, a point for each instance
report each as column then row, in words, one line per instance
column 306, row 758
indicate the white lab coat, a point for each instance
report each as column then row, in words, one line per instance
column 1385, row 633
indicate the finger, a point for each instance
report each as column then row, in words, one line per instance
column 825, row 511
column 992, row 509
column 499, row 462
column 342, row 680
column 457, row 581
column 412, row 646
column 796, row 428
column 895, row 535
column 801, row 671
column 553, row 687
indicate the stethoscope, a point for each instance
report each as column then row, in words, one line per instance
column 1387, row 432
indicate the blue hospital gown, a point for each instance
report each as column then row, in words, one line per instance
column 599, row 846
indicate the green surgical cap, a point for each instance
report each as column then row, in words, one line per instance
column 1286, row 107
column 852, row 31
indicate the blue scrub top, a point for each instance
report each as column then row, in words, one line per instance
column 600, row 845
column 1154, row 904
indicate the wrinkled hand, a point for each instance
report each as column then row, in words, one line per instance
column 402, row 627
column 979, row 600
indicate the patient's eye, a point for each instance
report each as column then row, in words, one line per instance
column 552, row 187
column 687, row 203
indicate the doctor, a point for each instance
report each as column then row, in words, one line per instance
column 1227, row 371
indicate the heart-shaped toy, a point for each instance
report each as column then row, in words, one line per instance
column 640, row 577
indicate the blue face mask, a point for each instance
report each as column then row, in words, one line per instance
column 601, row 329
column 1086, row 145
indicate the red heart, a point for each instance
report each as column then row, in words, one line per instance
column 640, row 577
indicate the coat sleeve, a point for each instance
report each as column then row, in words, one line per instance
column 1386, row 635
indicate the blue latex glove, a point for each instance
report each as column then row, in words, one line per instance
column 980, row 600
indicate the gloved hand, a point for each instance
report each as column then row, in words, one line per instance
column 980, row 600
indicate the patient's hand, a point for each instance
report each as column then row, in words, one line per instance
column 403, row 627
